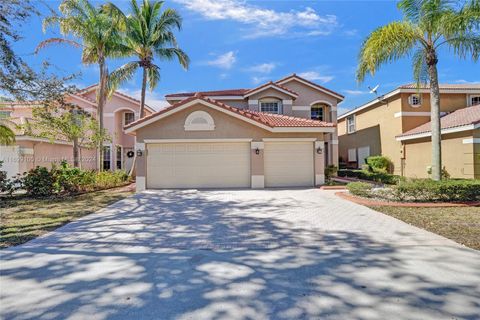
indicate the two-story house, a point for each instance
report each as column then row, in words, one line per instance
column 397, row 125
column 279, row 134
column 30, row 151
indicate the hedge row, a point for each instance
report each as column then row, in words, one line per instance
column 379, row 177
column 422, row 190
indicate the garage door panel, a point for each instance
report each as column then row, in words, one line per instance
column 289, row 164
column 198, row 165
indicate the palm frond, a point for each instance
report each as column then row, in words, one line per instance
column 420, row 67
column 52, row 41
column 387, row 44
column 171, row 53
column 121, row 75
column 169, row 18
column 456, row 23
column 411, row 8
column 153, row 74
column 466, row 46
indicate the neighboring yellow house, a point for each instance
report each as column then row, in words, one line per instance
column 396, row 125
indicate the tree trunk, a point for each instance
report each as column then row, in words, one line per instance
column 101, row 98
column 76, row 154
column 144, row 88
column 435, row 117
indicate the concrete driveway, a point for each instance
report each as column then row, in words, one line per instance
column 281, row 254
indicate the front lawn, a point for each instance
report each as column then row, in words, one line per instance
column 461, row 224
column 24, row 219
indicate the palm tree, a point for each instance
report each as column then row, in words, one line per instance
column 7, row 136
column 99, row 33
column 428, row 25
column 149, row 34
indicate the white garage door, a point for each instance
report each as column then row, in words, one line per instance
column 289, row 164
column 198, row 165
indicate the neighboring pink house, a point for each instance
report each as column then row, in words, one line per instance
column 29, row 151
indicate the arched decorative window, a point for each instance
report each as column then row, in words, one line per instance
column 199, row 121
column 317, row 111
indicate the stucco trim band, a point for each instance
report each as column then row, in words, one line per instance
column 471, row 141
column 195, row 140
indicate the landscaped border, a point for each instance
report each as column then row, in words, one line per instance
column 378, row 203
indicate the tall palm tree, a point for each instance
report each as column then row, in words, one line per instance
column 149, row 34
column 99, row 34
column 7, row 136
column 428, row 26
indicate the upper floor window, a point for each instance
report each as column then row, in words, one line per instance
column 271, row 106
column 351, row 124
column 316, row 112
column 415, row 100
column 5, row 114
column 128, row 117
column 474, row 100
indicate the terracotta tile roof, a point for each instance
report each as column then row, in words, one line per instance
column 268, row 119
column 271, row 83
column 294, row 75
column 458, row 118
column 228, row 92
column 444, row 86
column 89, row 88
column 21, row 126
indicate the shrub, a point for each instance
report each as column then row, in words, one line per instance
column 429, row 190
column 109, row 179
column 39, row 182
column 72, row 180
column 378, row 177
column 330, row 171
column 379, row 164
column 361, row 189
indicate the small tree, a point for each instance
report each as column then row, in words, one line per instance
column 67, row 123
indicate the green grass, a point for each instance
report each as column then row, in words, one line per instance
column 460, row 224
column 24, row 219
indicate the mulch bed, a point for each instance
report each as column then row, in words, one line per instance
column 378, row 203
column 333, row 188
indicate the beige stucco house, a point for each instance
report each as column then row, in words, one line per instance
column 280, row 134
column 30, row 151
column 397, row 125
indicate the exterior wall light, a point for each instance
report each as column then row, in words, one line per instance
column 139, row 153
column 257, row 151
column 319, row 150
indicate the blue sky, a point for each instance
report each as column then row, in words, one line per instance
column 240, row 44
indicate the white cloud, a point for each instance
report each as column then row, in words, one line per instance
column 152, row 99
column 351, row 32
column 257, row 80
column 263, row 68
column 264, row 22
column 223, row 61
column 355, row 92
column 315, row 76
